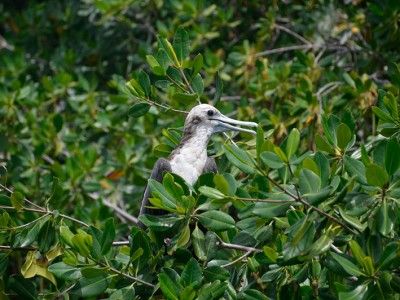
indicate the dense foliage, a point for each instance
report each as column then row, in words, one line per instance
column 92, row 93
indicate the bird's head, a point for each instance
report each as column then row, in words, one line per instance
column 207, row 118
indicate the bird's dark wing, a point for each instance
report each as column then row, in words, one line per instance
column 160, row 168
column 210, row 166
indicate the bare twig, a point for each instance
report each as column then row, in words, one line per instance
column 6, row 247
column 263, row 200
column 163, row 106
column 306, row 204
column 299, row 47
column 43, row 210
column 126, row 275
column 120, row 243
column 121, row 212
column 222, row 244
column 26, row 200
column 238, row 259
column 25, row 225
column 292, row 33
column 336, row 249
column 285, row 49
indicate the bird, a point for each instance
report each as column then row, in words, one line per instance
column 189, row 159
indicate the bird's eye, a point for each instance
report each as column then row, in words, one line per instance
column 210, row 113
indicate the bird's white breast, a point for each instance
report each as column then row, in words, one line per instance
column 189, row 162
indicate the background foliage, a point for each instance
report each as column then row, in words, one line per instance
column 93, row 92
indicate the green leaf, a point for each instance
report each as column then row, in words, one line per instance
column 198, row 84
column 33, row 233
column 293, row 142
column 90, row 287
column 323, row 145
column 82, row 242
column 184, row 237
column 382, row 115
column 17, row 200
column 198, row 241
column 192, row 273
column 389, row 255
column 214, row 273
column 217, row 220
column 197, row 64
column 167, row 200
column 181, row 44
column 155, row 67
column 144, row 82
column 349, row 80
column 23, row 287
column 376, row 175
column 138, row 109
column 356, row 294
column 309, row 182
column 184, row 98
column 169, row 289
column 46, row 236
column 239, row 158
column 343, row 135
column 64, row 271
column 270, row 210
column 355, row 168
column 271, row 160
column 166, row 45
column 127, row 293
column 384, row 221
column 66, row 235
column 108, row 236
column 392, row 157
column 347, row 265
column 358, row 253
column 58, row 122
column 353, row 221
column 211, row 192
column 270, row 253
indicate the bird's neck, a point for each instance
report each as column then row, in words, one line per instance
column 198, row 138
column 189, row 158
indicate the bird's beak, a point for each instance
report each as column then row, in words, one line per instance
column 226, row 124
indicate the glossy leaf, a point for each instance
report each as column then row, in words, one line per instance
column 217, row 220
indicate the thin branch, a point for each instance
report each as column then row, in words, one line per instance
column 26, row 200
column 126, row 275
column 163, row 106
column 292, row 33
column 285, row 49
column 238, row 259
column 325, row 89
column 121, row 212
column 236, row 98
column 299, row 47
column 263, row 200
column 6, row 247
column 186, row 80
column 308, row 205
column 336, row 249
column 44, row 211
column 120, row 243
column 222, row 244
column 25, row 225
column 188, row 84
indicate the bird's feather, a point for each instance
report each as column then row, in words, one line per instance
column 160, row 168
column 210, row 166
